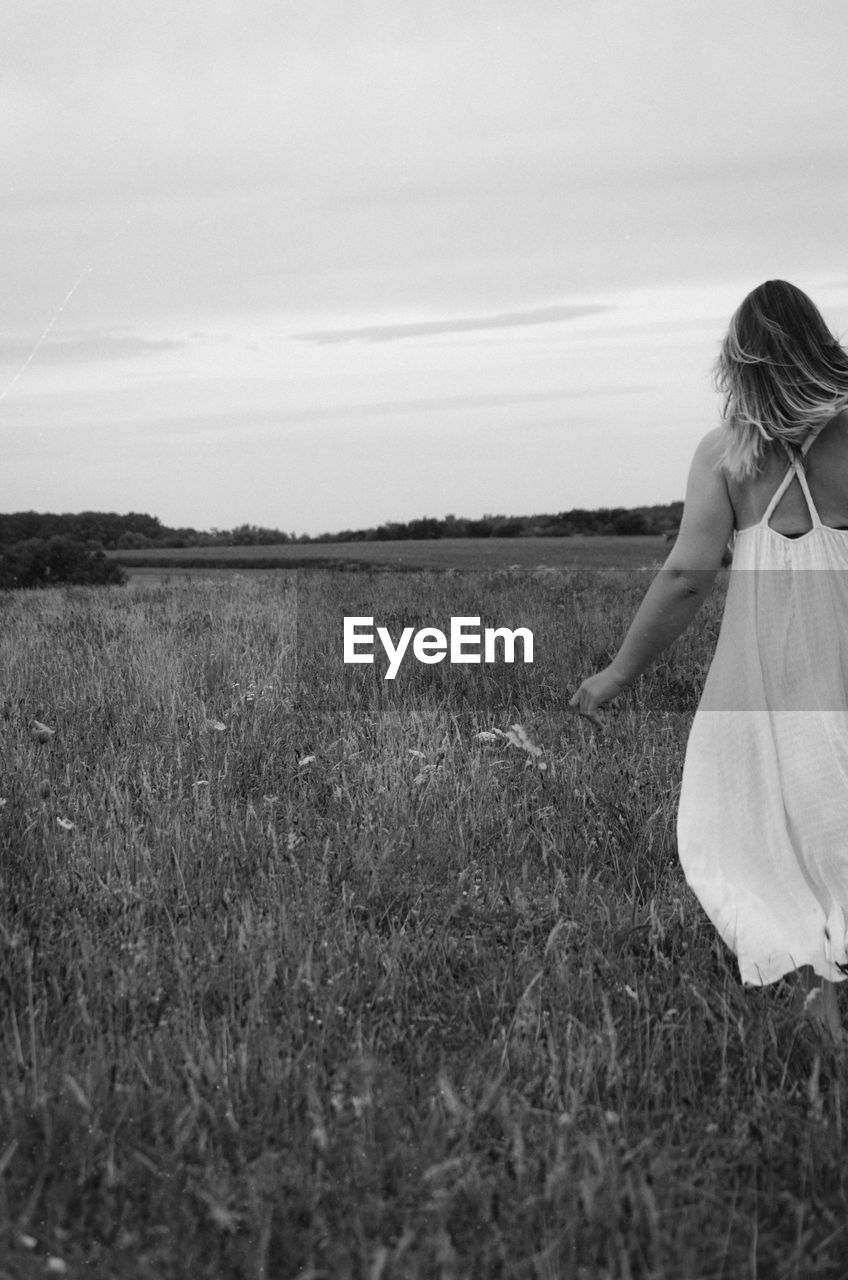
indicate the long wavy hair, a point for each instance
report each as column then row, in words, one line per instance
column 782, row 372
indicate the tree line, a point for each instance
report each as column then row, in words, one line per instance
column 44, row 548
column 610, row 521
column 135, row 530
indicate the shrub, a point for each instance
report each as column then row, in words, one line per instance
column 47, row 562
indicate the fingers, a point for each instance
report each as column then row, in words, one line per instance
column 585, row 706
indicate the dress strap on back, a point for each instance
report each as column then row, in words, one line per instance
column 814, row 515
column 795, row 469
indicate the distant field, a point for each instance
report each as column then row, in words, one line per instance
column 440, row 553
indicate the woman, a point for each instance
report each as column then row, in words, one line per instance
column 763, row 818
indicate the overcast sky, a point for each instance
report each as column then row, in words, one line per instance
column 318, row 264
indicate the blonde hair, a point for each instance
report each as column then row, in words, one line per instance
column 782, row 372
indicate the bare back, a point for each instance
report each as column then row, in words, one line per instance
column 826, row 471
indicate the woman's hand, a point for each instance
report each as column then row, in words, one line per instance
column 679, row 589
column 594, row 692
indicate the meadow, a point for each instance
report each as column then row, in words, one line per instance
column 410, row 554
column 305, row 973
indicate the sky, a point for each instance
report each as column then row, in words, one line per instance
column 324, row 264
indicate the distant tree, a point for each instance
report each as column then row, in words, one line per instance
column 132, row 541
column 507, row 529
column 252, row 535
column 629, row 523
column 479, row 528
column 454, row 528
column 426, row 527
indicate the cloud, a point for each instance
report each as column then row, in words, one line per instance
column 436, row 404
column 258, row 423
column 83, row 346
column 427, row 328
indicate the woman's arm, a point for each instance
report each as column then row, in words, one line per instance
column 679, row 589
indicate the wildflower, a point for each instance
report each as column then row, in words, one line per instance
column 519, row 737
column 41, row 732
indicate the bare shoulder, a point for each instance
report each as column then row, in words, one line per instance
column 707, row 521
column 830, row 442
column 710, row 447
column 838, row 426
column 706, row 473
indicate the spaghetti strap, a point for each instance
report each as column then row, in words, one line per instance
column 814, row 515
column 795, row 469
column 778, row 494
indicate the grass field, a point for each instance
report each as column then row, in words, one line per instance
column 305, row 973
column 438, row 553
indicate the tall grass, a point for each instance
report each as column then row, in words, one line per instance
column 352, row 985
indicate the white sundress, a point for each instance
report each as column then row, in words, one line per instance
column 763, row 819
